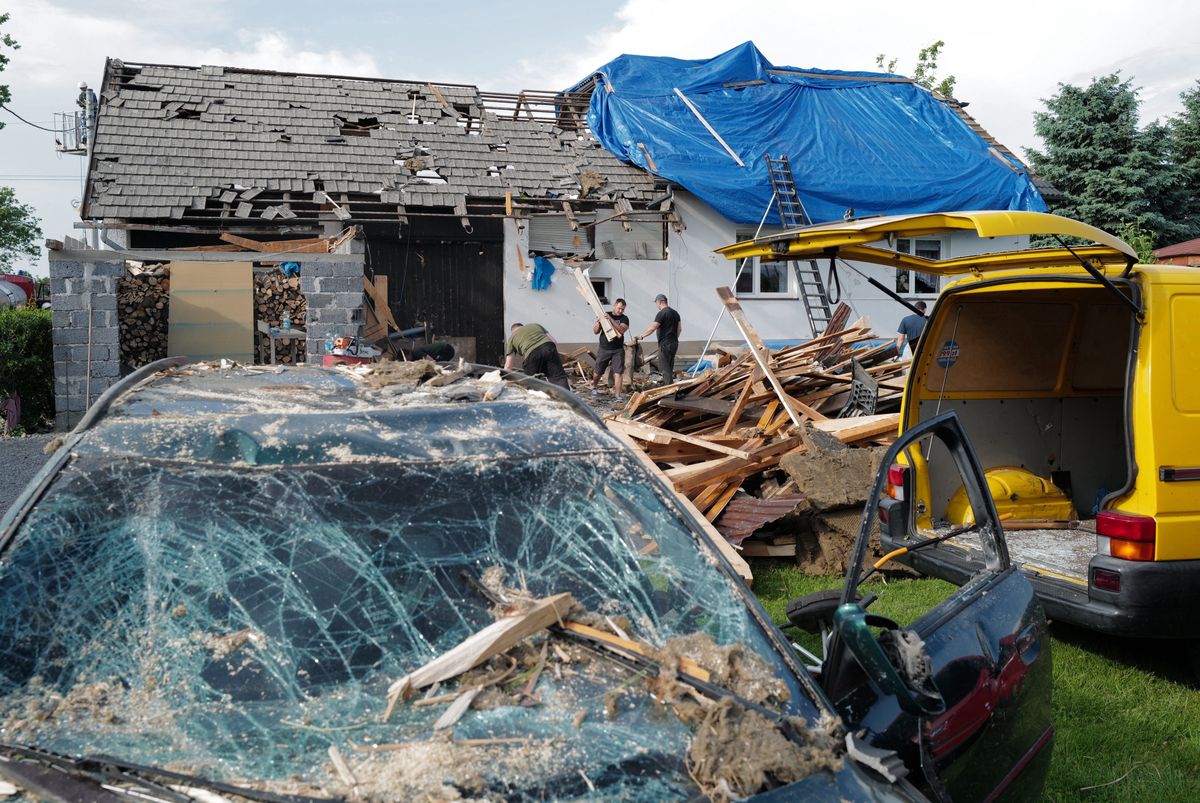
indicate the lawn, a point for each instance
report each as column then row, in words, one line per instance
column 1125, row 710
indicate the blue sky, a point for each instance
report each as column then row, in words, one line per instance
column 1005, row 60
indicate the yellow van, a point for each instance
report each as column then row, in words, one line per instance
column 1076, row 375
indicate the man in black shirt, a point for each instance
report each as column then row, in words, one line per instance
column 669, row 326
column 612, row 352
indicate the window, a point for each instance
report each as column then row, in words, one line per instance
column 601, row 288
column 763, row 279
column 914, row 282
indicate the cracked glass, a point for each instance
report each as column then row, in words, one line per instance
column 231, row 594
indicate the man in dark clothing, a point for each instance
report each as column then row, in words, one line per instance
column 910, row 330
column 612, row 352
column 669, row 326
column 539, row 353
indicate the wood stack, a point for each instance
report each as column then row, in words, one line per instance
column 275, row 294
column 721, row 435
column 143, row 304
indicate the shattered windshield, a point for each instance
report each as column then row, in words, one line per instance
column 235, row 601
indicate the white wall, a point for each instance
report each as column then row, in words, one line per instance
column 689, row 277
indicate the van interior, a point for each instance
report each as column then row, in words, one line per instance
column 1038, row 377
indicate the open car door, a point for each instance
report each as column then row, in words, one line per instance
column 972, row 677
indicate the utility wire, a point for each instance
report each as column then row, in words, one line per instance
column 26, row 122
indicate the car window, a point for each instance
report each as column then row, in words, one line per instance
column 237, row 620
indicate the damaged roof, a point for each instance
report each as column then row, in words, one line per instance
column 217, row 143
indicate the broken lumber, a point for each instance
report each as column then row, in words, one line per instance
column 589, row 295
column 851, row 430
column 652, row 434
column 498, row 637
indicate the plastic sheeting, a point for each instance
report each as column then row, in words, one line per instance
column 879, row 147
column 232, row 594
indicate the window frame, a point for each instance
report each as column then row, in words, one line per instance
column 943, row 247
column 754, row 270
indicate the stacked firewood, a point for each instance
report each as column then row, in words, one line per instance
column 143, row 305
column 723, row 438
column 275, row 294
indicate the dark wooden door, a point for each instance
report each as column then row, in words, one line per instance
column 451, row 280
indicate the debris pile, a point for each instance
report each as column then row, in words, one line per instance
column 761, row 441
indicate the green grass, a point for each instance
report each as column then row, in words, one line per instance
column 1126, row 711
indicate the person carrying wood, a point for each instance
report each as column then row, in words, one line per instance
column 539, row 353
column 669, row 326
column 611, row 351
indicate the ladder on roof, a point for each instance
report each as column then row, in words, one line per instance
column 792, row 215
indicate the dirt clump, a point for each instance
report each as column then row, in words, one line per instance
column 737, row 752
column 732, row 667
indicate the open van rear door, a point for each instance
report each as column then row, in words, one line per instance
column 873, row 239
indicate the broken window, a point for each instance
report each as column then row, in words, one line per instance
column 234, row 599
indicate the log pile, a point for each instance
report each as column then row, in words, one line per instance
column 143, row 305
column 275, row 294
column 719, row 438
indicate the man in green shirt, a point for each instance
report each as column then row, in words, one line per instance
column 539, row 353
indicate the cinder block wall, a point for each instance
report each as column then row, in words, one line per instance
column 87, row 360
column 84, row 289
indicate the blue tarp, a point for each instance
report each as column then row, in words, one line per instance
column 854, row 141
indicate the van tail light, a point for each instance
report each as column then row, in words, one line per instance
column 897, row 476
column 1127, row 535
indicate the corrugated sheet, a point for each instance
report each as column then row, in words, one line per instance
column 644, row 242
column 746, row 514
column 554, row 233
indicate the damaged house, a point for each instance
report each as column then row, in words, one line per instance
column 637, row 173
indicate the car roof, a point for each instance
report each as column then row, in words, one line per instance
column 389, row 411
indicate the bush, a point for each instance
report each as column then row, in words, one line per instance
column 27, row 365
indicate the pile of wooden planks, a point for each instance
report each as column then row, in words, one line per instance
column 721, row 435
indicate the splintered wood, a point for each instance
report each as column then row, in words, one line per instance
column 720, row 435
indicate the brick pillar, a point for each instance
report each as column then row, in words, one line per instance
column 86, row 362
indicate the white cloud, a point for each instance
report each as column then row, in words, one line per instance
column 1006, row 58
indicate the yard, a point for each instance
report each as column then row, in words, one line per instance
column 1124, row 710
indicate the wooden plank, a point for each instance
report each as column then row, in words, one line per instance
column 498, row 637
column 848, row 430
column 646, row 432
column 719, row 505
column 762, row 357
column 740, row 567
column 589, row 295
column 761, row 549
column 735, row 415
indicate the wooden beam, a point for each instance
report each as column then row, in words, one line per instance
column 653, row 434
column 735, row 415
column 848, row 430
column 762, row 357
column 589, row 295
column 498, row 637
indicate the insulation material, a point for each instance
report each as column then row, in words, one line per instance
column 230, row 584
column 212, row 311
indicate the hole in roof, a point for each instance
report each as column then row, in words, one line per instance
column 430, row 177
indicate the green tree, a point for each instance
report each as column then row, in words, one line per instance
column 1110, row 172
column 1184, row 131
column 19, row 230
column 6, row 41
column 925, row 73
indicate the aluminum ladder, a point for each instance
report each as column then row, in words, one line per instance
column 793, row 215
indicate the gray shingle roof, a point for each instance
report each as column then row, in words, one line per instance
column 207, row 142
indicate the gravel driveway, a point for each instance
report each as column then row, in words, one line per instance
column 20, row 459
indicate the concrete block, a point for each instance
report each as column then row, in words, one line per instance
column 60, row 317
column 66, row 301
column 319, row 300
column 109, row 335
column 308, row 283
column 339, row 284
column 105, row 369
column 330, row 315
column 350, row 300
column 58, row 284
column 69, row 335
